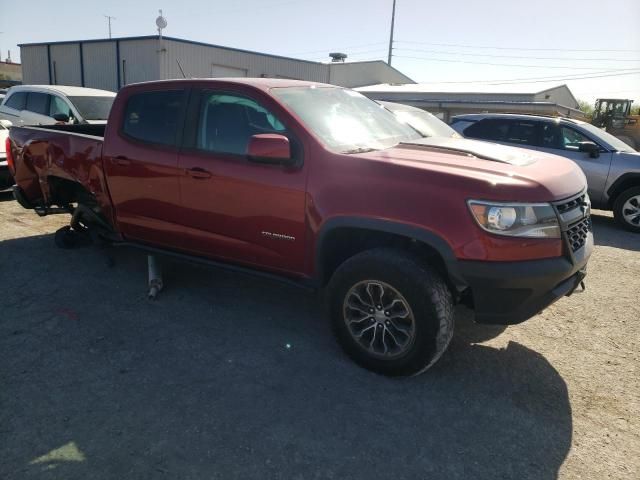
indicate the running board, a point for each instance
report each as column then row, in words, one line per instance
column 304, row 283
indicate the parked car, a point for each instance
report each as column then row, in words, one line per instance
column 612, row 167
column 318, row 185
column 6, row 180
column 427, row 124
column 51, row 104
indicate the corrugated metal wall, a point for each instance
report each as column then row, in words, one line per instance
column 144, row 59
column 139, row 61
column 100, row 65
column 561, row 95
column 35, row 70
column 202, row 61
column 65, row 64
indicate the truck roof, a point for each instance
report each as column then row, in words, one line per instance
column 67, row 90
column 261, row 83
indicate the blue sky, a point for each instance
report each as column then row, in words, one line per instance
column 436, row 41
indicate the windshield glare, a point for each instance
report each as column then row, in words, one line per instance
column 616, row 143
column 424, row 122
column 344, row 120
column 93, row 108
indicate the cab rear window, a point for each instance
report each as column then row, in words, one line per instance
column 153, row 117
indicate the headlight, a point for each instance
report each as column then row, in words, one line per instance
column 536, row 220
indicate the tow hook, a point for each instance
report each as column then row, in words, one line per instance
column 578, row 283
column 155, row 276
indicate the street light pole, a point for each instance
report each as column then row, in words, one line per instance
column 109, row 18
column 393, row 20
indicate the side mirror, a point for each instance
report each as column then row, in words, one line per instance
column 6, row 123
column 61, row 117
column 591, row 148
column 269, row 148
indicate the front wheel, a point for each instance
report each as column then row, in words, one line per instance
column 392, row 314
column 626, row 209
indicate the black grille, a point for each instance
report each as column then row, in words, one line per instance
column 571, row 204
column 578, row 233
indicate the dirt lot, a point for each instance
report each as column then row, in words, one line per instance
column 230, row 377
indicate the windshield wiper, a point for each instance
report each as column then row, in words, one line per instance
column 360, row 150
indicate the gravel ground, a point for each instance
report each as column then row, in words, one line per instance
column 226, row 376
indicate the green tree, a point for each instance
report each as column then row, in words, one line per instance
column 586, row 107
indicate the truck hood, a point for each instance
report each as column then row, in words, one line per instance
column 506, row 171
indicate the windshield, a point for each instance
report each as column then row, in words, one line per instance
column 93, row 108
column 616, row 143
column 344, row 120
column 424, row 122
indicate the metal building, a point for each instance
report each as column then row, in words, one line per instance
column 447, row 100
column 112, row 63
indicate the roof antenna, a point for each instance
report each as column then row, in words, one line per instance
column 161, row 23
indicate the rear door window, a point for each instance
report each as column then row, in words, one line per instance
column 38, row 103
column 489, row 129
column 523, row 132
column 17, row 101
column 154, row 117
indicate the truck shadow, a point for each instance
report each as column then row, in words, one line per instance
column 6, row 196
column 607, row 233
column 226, row 376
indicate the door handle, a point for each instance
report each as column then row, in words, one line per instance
column 198, row 172
column 121, row 160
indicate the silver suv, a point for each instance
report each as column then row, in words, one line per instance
column 612, row 167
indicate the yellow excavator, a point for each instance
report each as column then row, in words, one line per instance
column 614, row 115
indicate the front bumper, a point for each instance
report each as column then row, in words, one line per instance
column 512, row 292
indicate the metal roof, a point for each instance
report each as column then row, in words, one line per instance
column 470, row 88
column 261, row 83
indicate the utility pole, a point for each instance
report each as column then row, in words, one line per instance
column 393, row 20
column 109, row 18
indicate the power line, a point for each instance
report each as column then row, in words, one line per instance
column 342, row 48
column 512, row 65
column 355, row 54
column 528, row 79
column 519, row 48
column 556, row 79
column 440, row 52
column 571, row 79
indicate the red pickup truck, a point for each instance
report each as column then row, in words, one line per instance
column 318, row 185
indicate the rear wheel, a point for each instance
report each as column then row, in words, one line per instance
column 391, row 313
column 626, row 209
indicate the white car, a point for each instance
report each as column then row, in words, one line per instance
column 51, row 104
column 6, row 180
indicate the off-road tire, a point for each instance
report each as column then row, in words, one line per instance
column 617, row 208
column 68, row 238
column 423, row 288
